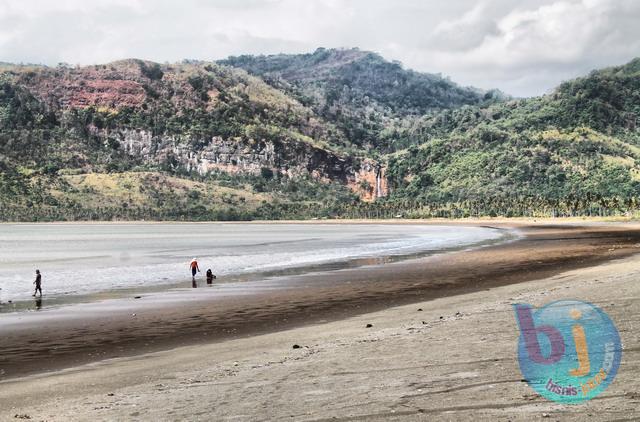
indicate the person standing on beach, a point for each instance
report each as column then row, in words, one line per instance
column 38, row 283
column 194, row 268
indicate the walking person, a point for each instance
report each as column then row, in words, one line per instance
column 194, row 268
column 38, row 283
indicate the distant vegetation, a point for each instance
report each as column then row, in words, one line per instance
column 448, row 151
column 573, row 152
column 360, row 92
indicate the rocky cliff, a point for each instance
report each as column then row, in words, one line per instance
column 248, row 156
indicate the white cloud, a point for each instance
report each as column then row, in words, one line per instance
column 534, row 48
column 523, row 47
column 465, row 32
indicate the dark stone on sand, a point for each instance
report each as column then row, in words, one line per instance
column 111, row 394
column 419, row 309
column 295, row 346
column 369, row 325
column 137, row 297
column 441, row 317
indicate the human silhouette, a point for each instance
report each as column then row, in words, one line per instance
column 38, row 283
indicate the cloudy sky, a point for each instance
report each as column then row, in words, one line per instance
column 522, row 47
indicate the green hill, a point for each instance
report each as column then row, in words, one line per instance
column 363, row 94
column 574, row 151
column 196, row 121
column 331, row 133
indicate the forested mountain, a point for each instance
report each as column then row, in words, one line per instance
column 575, row 151
column 331, row 133
column 363, row 94
column 237, row 145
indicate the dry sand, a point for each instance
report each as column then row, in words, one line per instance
column 410, row 365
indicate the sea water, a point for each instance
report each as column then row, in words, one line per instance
column 77, row 259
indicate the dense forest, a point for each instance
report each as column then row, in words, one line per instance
column 361, row 93
column 301, row 136
column 572, row 152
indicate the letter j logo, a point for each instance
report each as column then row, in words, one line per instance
column 569, row 351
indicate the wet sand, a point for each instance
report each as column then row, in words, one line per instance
column 450, row 355
column 82, row 334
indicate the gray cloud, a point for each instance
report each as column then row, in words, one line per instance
column 522, row 47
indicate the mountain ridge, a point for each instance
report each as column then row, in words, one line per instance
column 331, row 133
column 359, row 90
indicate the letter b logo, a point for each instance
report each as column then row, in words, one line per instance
column 569, row 351
column 530, row 334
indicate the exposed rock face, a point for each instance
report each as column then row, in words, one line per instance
column 251, row 156
column 370, row 181
column 104, row 93
column 85, row 87
column 217, row 154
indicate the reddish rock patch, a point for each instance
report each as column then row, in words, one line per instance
column 370, row 183
column 110, row 93
column 91, row 86
column 105, row 93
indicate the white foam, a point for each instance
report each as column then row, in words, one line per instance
column 79, row 259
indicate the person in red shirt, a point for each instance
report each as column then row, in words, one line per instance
column 194, row 268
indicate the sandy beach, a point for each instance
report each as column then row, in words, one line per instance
column 441, row 343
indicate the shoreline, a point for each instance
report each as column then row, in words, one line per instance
column 314, row 298
column 435, row 220
column 26, row 304
column 448, row 358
